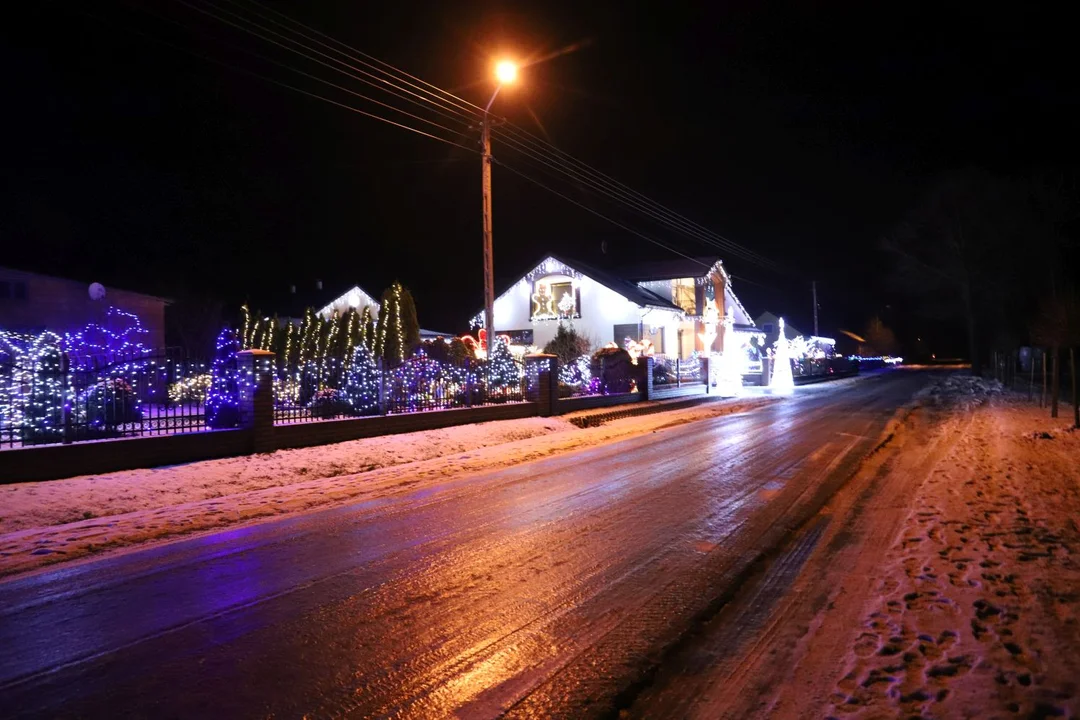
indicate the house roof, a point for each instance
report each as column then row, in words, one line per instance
column 683, row 267
column 17, row 273
column 618, row 283
column 295, row 304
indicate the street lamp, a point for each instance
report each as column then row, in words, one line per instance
column 505, row 74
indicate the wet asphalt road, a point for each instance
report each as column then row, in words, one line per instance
column 542, row 590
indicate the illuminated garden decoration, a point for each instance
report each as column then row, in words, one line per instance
column 421, row 383
column 731, row 361
column 502, row 371
column 397, row 330
column 782, row 382
column 42, row 419
column 362, row 383
column 223, row 400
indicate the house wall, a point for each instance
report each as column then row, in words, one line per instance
column 64, row 305
column 601, row 310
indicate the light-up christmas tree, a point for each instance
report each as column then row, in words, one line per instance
column 397, row 331
column 43, row 417
column 502, row 371
column 223, row 400
column 362, row 383
column 782, row 382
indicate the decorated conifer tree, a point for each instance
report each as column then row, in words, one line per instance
column 362, row 383
column 223, row 399
column 43, row 419
column 397, row 331
column 502, row 370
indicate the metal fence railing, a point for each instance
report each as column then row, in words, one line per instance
column 56, row 397
column 417, row 385
column 674, row 371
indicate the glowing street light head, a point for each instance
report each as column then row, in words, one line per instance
column 506, row 72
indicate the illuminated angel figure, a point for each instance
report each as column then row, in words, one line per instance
column 543, row 304
column 566, row 305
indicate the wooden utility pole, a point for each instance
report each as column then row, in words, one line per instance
column 813, row 287
column 489, row 271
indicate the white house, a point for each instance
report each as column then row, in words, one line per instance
column 660, row 302
column 352, row 299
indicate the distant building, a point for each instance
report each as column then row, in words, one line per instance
column 33, row 303
column 769, row 323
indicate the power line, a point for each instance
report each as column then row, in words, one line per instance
column 521, row 138
column 285, row 85
column 597, row 213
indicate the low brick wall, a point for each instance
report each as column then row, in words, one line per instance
column 49, row 462
column 588, row 402
column 325, row 432
column 664, row 392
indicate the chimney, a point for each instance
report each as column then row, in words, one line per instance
column 318, row 284
column 292, row 289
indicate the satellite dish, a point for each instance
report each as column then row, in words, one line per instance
column 97, row 291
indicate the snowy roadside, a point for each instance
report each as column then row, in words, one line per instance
column 976, row 610
column 47, row 522
column 946, row 582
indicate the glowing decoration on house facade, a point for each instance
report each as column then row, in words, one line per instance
column 731, row 361
column 782, row 382
column 709, row 320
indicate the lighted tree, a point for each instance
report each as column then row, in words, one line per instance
column 362, row 383
column 502, row 370
column 397, row 331
column 223, row 400
column 43, row 418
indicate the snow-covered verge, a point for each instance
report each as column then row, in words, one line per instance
column 977, row 606
column 943, row 581
column 47, row 522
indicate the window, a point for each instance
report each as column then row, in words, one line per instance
column 555, row 297
column 684, row 294
column 767, row 327
column 622, row 333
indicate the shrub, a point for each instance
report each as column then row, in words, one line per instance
column 190, row 389
column 567, row 345
column 329, row 403
column 614, row 368
column 110, row 403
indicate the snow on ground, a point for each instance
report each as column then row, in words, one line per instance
column 943, row 581
column 977, row 607
column 46, row 522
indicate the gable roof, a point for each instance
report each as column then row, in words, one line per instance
column 683, row 267
column 618, row 284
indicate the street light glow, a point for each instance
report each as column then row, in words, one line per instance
column 506, row 72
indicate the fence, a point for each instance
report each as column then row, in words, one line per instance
column 669, row 371
column 52, row 397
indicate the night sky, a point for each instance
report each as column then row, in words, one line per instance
column 802, row 131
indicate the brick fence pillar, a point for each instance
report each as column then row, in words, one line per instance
column 257, row 397
column 543, row 389
column 645, row 375
column 766, row 366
